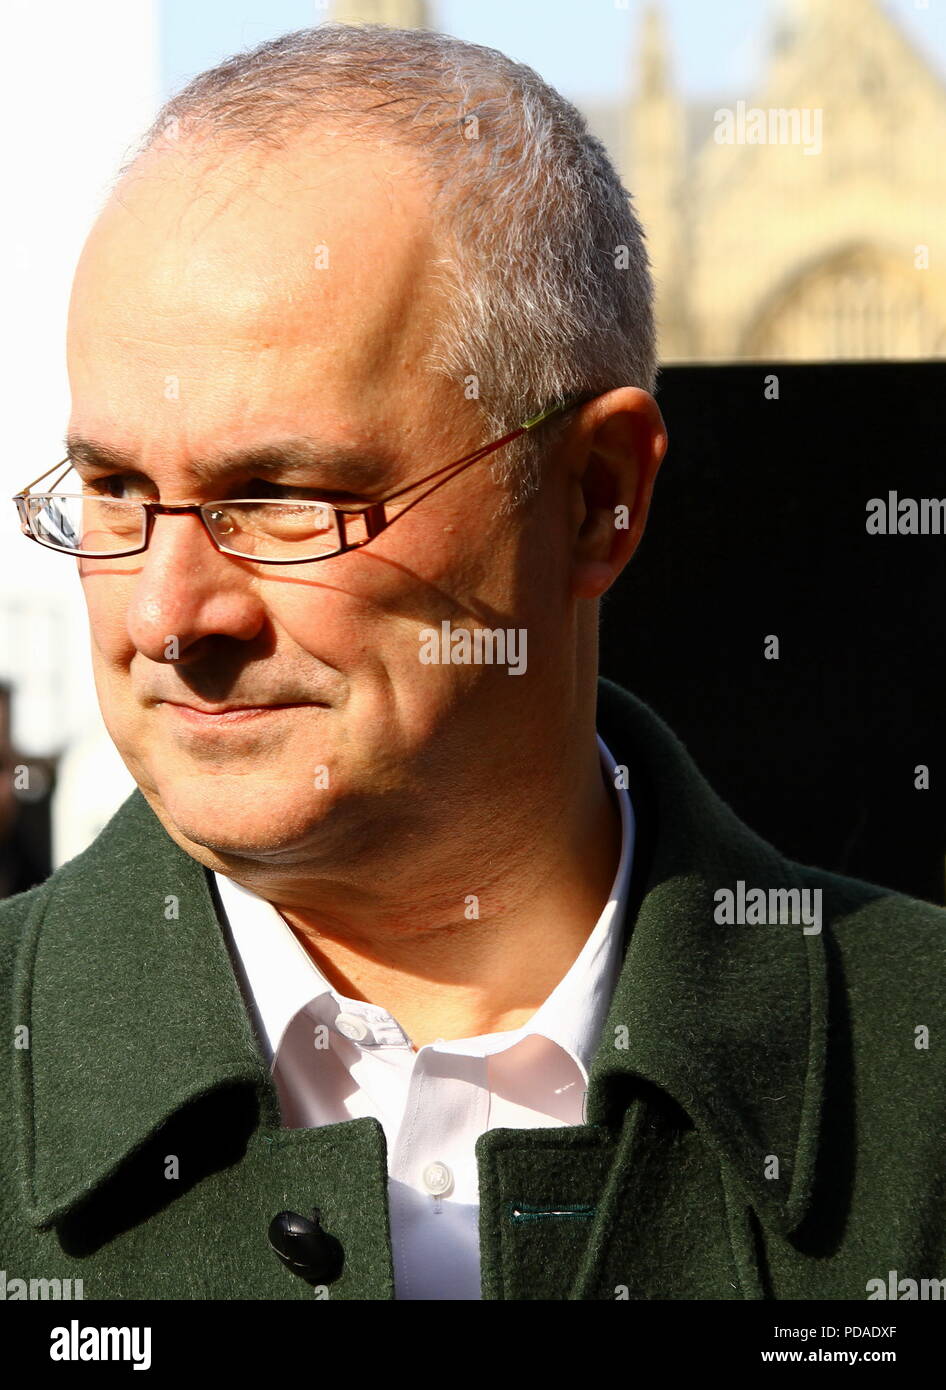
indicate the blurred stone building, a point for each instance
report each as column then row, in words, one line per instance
column 816, row 230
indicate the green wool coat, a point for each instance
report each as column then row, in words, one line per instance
column 766, row 1115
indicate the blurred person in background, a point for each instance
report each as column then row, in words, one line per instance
column 24, row 810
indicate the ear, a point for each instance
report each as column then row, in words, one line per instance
column 618, row 447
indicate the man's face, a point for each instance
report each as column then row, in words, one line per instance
column 242, row 301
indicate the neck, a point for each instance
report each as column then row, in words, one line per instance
column 475, row 943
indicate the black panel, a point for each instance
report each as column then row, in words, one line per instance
column 758, row 526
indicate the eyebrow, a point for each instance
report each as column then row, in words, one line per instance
column 346, row 464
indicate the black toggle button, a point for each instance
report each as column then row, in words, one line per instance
column 305, row 1248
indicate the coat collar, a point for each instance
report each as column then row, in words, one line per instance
column 134, row 1008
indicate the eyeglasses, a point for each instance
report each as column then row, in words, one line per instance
column 276, row 531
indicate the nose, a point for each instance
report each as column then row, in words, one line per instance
column 187, row 590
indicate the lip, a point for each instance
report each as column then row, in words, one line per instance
column 227, row 714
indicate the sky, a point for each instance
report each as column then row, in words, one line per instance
column 582, row 47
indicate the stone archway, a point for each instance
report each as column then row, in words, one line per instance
column 857, row 303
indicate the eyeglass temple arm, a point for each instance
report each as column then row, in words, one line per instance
column 374, row 517
column 67, row 462
column 486, row 449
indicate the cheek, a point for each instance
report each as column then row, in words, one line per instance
column 369, row 606
column 355, row 633
column 456, row 543
column 108, row 628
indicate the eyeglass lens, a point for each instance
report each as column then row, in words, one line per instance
column 263, row 530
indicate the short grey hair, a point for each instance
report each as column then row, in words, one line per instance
column 544, row 265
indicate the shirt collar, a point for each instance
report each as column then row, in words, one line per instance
column 280, row 977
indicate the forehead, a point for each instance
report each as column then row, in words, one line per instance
column 266, row 283
column 247, row 231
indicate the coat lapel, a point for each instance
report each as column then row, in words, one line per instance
column 133, row 1008
column 729, row 1020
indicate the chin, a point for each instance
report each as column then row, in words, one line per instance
column 242, row 816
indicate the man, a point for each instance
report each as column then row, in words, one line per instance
column 420, row 964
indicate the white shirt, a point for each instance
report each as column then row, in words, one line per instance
column 335, row 1058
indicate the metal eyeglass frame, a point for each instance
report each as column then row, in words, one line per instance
column 374, row 515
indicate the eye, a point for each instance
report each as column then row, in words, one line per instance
column 118, row 485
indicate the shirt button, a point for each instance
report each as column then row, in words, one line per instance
column 438, row 1179
column 351, row 1027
